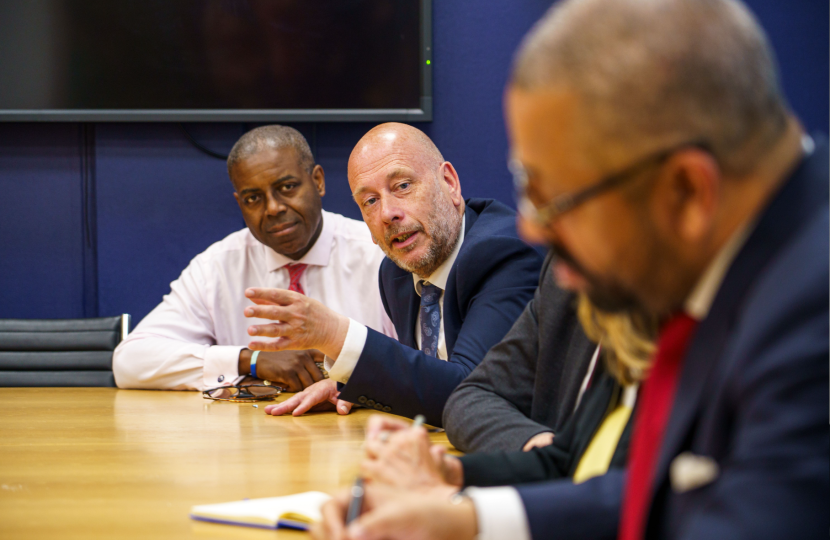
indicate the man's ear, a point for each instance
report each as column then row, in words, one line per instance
column 687, row 193
column 236, row 196
column 699, row 183
column 450, row 178
column 318, row 176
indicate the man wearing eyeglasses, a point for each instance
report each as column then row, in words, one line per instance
column 456, row 278
column 195, row 339
column 660, row 161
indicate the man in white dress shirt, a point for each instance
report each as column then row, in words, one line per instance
column 195, row 339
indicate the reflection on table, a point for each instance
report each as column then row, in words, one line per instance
column 104, row 463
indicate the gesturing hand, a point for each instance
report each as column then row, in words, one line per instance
column 299, row 323
column 320, row 396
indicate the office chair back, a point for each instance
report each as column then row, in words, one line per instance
column 60, row 352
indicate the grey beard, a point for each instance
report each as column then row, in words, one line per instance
column 445, row 224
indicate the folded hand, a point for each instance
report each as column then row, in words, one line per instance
column 394, row 514
column 292, row 370
column 406, row 459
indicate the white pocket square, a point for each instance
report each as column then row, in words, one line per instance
column 690, row 471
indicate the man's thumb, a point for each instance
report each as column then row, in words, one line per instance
column 343, row 407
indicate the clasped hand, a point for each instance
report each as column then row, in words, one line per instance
column 399, row 456
column 409, row 483
column 293, row 370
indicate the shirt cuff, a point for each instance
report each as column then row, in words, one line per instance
column 341, row 369
column 221, row 365
column 500, row 513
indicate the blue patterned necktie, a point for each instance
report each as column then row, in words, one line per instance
column 430, row 318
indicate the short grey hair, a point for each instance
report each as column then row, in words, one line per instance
column 653, row 73
column 271, row 137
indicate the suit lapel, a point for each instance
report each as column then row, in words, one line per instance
column 595, row 407
column 409, row 302
column 796, row 201
column 452, row 306
column 705, row 350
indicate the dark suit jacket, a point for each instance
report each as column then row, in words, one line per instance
column 528, row 383
column 557, row 460
column 493, row 278
column 752, row 396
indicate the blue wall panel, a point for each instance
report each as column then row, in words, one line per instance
column 41, row 227
column 474, row 43
column 798, row 32
column 160, row 201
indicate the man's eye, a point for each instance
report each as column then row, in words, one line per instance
column 370, row 201
column 403, row 185
column 251, row 199
column 288, row 187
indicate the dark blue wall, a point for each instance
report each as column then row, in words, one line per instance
column 152, row 201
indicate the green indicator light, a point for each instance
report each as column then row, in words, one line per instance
column 428, row 62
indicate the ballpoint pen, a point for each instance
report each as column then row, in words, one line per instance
column 358, row 492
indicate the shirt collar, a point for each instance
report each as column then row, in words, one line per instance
column 441, row 274
column 700, row 300
column 318, row 255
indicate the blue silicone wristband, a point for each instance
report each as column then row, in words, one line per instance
column 253, row 364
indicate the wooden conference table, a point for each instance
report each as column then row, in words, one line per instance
column 107, row 463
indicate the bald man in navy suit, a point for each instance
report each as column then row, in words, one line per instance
column 456, row 278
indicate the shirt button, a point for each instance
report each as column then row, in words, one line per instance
column 221, row 378
column 379, row 406
column 370, row 403
column 361, row 400
column 387, row 409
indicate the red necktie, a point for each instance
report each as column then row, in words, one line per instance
column 295, row 271
column 653, row 411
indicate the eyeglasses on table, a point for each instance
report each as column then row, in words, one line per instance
column 244, row 392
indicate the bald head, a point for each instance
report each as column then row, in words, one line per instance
column 651, row 73
column 394, row 138
column 409, row 196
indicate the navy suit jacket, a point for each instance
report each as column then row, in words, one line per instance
column 752, row 396
column 493, row 278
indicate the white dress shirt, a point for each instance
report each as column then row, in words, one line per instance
column 341, row 369
column 193, row 338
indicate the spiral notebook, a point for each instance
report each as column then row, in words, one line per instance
column 291, row 512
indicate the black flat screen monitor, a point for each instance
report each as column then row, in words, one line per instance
column 215, row 60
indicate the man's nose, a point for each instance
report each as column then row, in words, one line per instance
column 390, row 211
column 274, row 206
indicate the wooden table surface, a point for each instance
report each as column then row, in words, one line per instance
column 107, row 463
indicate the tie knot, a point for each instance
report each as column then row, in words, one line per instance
column 294, row 273
column 430, row 294
column 296, row 269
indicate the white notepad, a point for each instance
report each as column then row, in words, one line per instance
column 292, row 511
